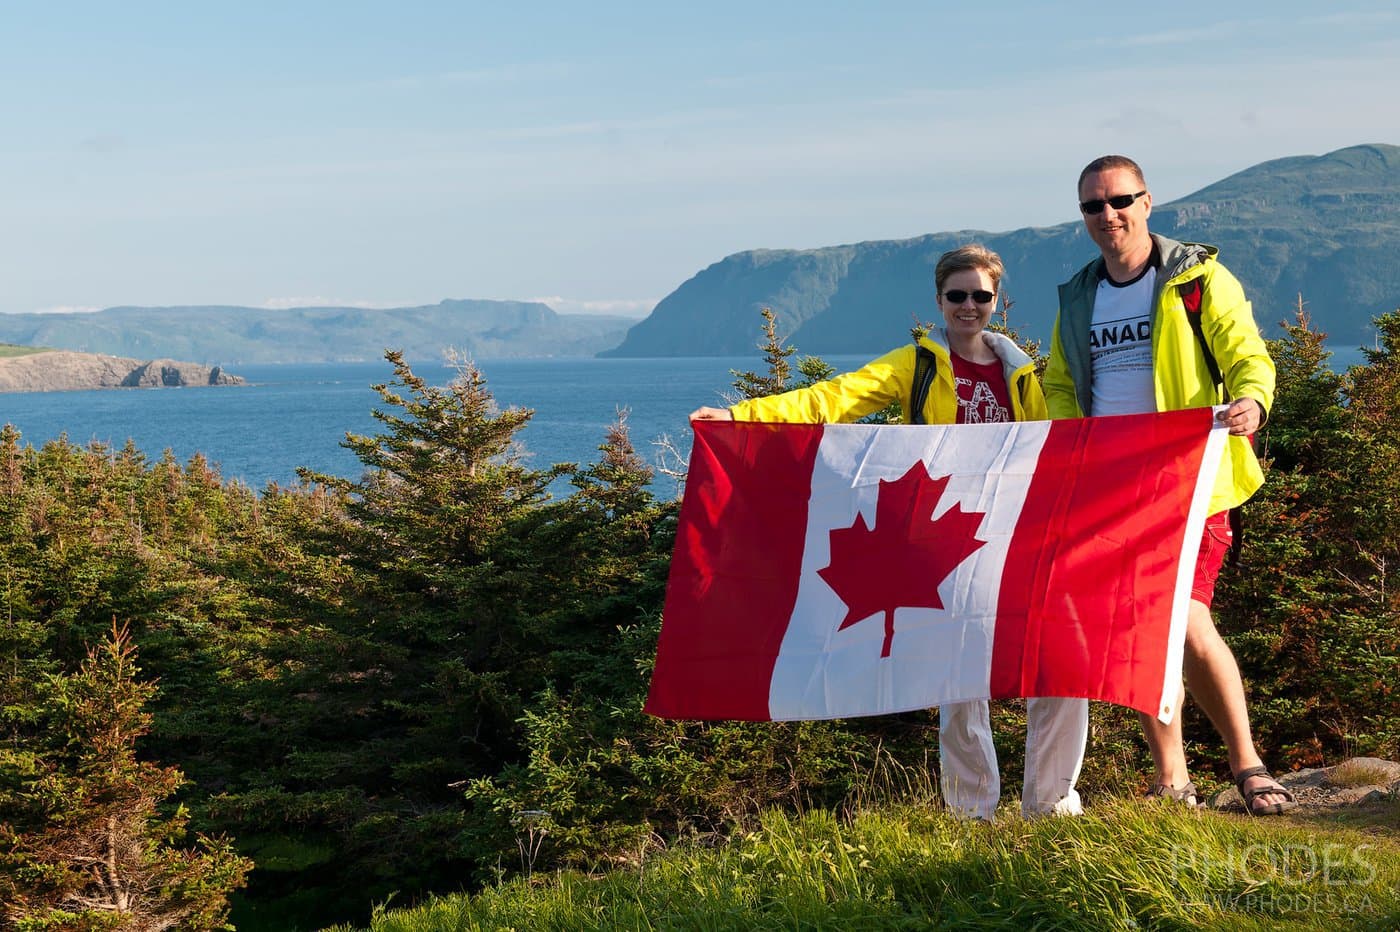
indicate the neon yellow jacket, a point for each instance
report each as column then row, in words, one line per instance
column 1180, row 376
column 853, row 395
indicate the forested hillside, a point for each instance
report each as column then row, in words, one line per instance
column 402, row 684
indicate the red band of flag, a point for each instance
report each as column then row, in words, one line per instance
column 828, row 571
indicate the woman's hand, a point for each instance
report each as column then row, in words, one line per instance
column 711, row 414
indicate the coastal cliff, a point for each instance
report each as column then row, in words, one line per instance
column 61, row 370
column 1324, row 227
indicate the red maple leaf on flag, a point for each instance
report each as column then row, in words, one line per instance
column 902, row 561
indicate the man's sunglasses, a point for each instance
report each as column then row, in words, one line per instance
column 958, row 296
column 1118, row 202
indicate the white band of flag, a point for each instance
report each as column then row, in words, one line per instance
column 827, row 571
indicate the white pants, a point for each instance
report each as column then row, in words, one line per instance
column 1056, row 733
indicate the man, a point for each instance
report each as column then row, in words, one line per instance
column 1124, row 342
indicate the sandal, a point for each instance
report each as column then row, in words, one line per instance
column 1249, row 796
column 1184, row 794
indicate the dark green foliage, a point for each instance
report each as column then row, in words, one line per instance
column 1001, row 323
column 405, row 669
column 603, row 780
column 432, row 605
column 337, row 659
column 82, row 845
column 775, row 381
column 779, row 377
column 412, row 681
column 1313, row 611
column 607, row 781
column 811, row 369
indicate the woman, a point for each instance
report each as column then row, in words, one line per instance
column 976, row 377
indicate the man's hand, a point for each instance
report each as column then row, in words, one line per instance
column 711, row 414
column 1242, row 417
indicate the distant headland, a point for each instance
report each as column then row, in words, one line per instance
column 30, row 369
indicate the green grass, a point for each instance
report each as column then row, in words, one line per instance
column 1124, row 866
column 11, row 349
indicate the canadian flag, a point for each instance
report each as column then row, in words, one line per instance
column 838, row 570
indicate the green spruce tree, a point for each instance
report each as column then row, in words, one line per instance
column 83, row 843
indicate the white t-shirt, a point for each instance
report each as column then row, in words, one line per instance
column 1120, row 346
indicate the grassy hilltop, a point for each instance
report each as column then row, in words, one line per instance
column 1123, row 866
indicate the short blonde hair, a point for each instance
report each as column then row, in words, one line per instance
column 965, row 258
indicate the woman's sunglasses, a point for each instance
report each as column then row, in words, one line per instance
column 958, row 296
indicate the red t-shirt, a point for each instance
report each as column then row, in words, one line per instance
column 983, row 397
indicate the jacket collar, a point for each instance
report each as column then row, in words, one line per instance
column 1012, row 356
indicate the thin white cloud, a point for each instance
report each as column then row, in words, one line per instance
column 62, row 309
column 621, row 307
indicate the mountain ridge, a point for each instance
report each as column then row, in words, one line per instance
column 235, row 335
column 1324, row 226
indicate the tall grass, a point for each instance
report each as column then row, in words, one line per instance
column 1125, row 866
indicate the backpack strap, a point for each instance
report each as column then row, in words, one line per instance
column 1190, row 293
column 925, row 367
column 1191, row 297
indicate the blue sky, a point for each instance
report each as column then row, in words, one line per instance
column 597, row 155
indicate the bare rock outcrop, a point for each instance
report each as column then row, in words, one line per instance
column 61, row 370
column 1356, row 781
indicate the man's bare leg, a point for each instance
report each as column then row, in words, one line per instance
column 1214, row 679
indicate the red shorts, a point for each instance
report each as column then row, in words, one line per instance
column 1215, row 543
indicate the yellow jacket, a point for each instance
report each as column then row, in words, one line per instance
column 853, row 395
column 1180, row 376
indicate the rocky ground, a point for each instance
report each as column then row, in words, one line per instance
column 1360, row 781
column 61, row 370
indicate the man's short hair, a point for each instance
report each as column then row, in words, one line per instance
column 1106, row 163
column 972, row 256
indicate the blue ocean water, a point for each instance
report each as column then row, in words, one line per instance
column 297, row 415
